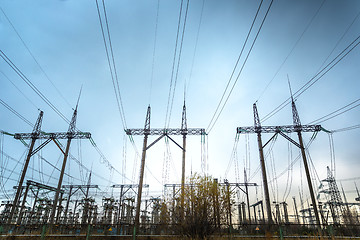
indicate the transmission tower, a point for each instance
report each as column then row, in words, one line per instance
column 335, row 203
column 161, row 132
column 296, row 127
column 38, row 134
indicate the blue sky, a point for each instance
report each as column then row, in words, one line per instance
column 297, row 39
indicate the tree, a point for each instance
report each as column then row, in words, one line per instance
column 207, row 207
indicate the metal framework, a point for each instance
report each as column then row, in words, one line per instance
column 296, row 127
column 279, row 129
column 161, row 132
column 58, row 135
column 38, row 134
column 166, row 131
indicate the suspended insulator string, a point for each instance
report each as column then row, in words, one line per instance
column 233, row 153
column 290, row 173
column 272, row 143
column 332, row 154
column 45, row 160
column 148, row 169
column 124, row 157
column 106, row 161
column 53, row 170
column 3, row 165
column 295, row 159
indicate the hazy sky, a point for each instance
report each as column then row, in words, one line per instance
column 297, row 39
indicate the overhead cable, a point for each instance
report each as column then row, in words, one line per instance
column 35, row 60
column 316, row 78
column 154, row 50
column 336, row 113
column 111, row 63
column 210, row 127
column 32, row 86
column 16, row 113
column 195, row 49
column 346, row 128
column 173, row 78
column 235, row 67
column 292, row 50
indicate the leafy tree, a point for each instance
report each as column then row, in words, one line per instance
column 207, row 206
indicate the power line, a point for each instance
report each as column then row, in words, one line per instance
column 32, row 86
column 195, row 49
column 236, row 64
column 340, row 39
column 16, row 113
column 167, row 118
column 178, row 63
column 331, row 115
column 316, row 78
column 242, row 67
column 18, row 161
column 291, row 51
column 18, row 89
column 111, row 63
column 33, row 57
column 346, row 128
column 105, row 161
column 154, row 50
column 42, row 96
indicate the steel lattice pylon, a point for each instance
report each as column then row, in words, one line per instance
column 335, row 203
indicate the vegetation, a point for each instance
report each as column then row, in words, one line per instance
column 203, row 212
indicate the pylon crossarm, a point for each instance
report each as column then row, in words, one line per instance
column 167, row 131
column 38, row 185
column 58, row 135
column 285, row 129
column 129, row 185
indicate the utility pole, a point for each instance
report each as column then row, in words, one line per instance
column 262, row 163
column 296, row 212
column 161, row 132
column 142, row 166
column 298, row 128
column 247, row 196
column 183, row 128
column 33, row 136
column 70, row 136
